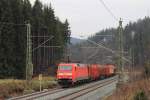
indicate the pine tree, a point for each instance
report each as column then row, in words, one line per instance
column 13, row 37
column 6, row 41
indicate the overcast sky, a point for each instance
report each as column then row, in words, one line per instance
column 89, row 16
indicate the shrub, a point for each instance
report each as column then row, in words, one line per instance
column 12, row 87
column 147, row 69
column 140, row 96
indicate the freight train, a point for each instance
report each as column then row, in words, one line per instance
column 69, row 74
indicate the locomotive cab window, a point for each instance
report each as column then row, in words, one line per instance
column 65, row 67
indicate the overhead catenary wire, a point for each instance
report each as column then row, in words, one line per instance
column 103, row 3
column 95, row 53
column 9, row 23
column 43, row 43
column 108, row 49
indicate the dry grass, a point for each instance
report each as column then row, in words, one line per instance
column 47, row 78
column 136, row 84
column 11, row 87
column 128, row 91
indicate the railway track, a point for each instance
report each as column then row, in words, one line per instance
column 68, row 93
column 37, row 94
column 84, row 91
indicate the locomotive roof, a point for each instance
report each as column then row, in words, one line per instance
column 78, row 64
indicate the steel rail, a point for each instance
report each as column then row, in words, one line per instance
column 33, row 94
column 77, row 95
column 98, row 85
column 86, row 89
column 44, row 94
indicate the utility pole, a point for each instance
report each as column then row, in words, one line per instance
column 120, row 60
column 120, row 64
column 29, row 64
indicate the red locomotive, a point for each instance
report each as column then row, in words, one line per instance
column 72, row 73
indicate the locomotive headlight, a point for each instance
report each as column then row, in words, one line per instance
column 60, row 73
column 65, row 74
column 68, row 74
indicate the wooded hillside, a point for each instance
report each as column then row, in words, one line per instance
column 136, row 44
column 13, row 35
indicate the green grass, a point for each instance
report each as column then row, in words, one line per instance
column 11, row 87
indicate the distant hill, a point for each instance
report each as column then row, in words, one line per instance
column 74, row 40
column 136, row 42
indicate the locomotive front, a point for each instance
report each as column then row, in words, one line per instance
column 65, row 74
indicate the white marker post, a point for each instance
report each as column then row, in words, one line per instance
column 40, row 79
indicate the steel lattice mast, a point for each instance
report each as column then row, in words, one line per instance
column 29, row 64
column 121, row 50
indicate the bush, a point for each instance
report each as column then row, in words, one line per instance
column 140, row 96
column 147, row 69
column 8, row 87
column 12, row 87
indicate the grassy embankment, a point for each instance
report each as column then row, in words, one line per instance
column 11, row 87
column 136, row 86
column 128, row 91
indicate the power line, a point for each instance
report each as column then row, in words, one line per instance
column 8, row 23
column 39, row 36
column 51, row 46
column 103, row 3
column 108, row 49
column 43, row 43
column 95, row 53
